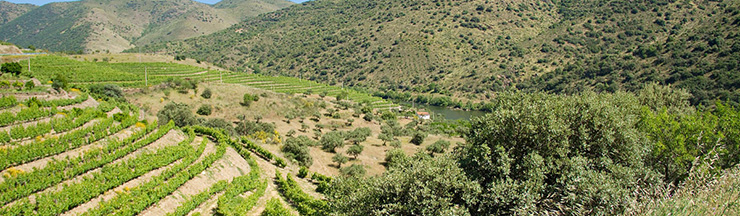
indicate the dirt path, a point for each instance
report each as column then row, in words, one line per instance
column 231, row 165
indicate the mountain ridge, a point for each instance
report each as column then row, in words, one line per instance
column 472, row 49
column 116, row 25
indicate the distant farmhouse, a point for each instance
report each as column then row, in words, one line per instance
column 423, row 115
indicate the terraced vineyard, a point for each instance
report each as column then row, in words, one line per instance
column 77, row 158
column 139, row 74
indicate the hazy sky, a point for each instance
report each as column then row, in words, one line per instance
column 42, row 2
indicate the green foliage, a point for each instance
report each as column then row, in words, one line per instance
column 204, row 109
column 395, row 157
column 418, row 138
column 355, row 150
column 30, row 85
column 206, row 93
column 297, row 149
column 302, row 172
column 245, row 127
column 304, row 203
column 275, row 208
column 396, row 144
column 438, row 147
column 179, row 113
column 106, row 91
column 331, row 140
column 247, row 99
column 358, row 135
column 8, row 101
column 59, row 82
column 339, row 158
column 13, row 68
column 354, row 170
column 681, row 138
column 420, row 187
column 342, row 95
column 582, row 152
column 231, row 203
column 262, row 152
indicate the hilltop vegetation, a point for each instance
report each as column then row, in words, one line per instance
column 472, row 49
column 115, row 25
column 10, row 11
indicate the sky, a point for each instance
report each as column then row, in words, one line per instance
column 43, row 2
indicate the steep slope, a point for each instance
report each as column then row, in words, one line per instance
column 10, row 11
column 115, row 25
column 474, row 48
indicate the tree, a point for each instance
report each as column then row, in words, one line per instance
column 204, row 109
column 533, row 146
column 418, row 138
column 331, row 140
column 339, row 158
column 438, row 147
column 395, row 157
column 206, row 93
column 354, row 170
column 355, row 150
column 11, row 68
column 385, row 137
column 180, row 113
column 359, row 135
column 60, row 82
column 297, row 149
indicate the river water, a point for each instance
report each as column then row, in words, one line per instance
column 447, row 113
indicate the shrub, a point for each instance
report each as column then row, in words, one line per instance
column 206, row 93
column 438, row 147
column 179, row 113
column 106, row 90
column 418, row 138
column 204, row 109
column 302, row 172
column 297, row 150
column 60, row 82
column 247, row 99
column 30, row 85
column 11, row 68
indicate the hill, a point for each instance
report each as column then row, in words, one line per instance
column 472, row 49
column 9, row 11
column 115, row 25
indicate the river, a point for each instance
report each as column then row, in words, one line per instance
column 447, row 113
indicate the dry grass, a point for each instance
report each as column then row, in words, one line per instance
column 272, row 109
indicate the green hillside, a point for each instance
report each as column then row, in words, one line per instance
column 472, row 49
column 10, row 11
column 116, row 25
